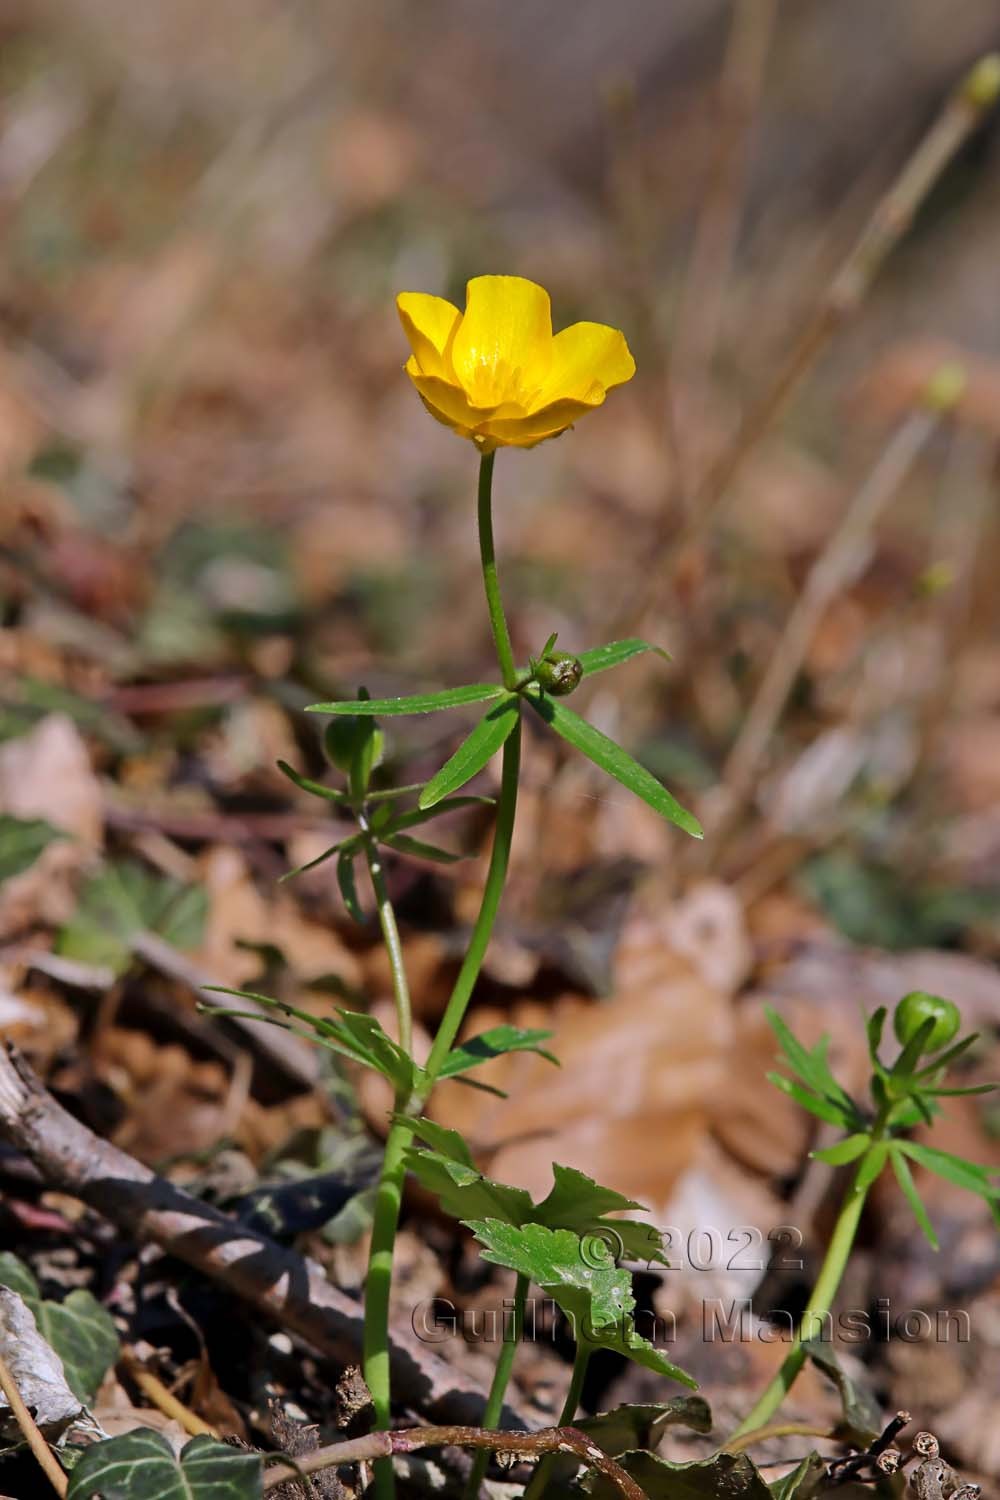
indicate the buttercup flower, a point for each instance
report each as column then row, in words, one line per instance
column 496, row 373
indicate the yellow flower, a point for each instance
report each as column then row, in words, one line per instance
column 496, row 374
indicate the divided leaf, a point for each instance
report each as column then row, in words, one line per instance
column 475, row 751
column 141, row 1465
column 904, row 1177
column 22, row 840
column 597, row 1299
column 494, row 1043
column 123, row 900
column 417, row 703
column 964, row 1174
column 823, row 1095
column 614, row 760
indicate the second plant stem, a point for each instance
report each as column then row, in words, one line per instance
column 820, row 1301
column 390, row 1189
column 498, row 1389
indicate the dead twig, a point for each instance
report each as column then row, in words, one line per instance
column 281, row 1284
column 521, row 1445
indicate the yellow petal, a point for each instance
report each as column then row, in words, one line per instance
column 525, row 431
column 502, row 348
column 587, row 360
column 447, row 402
column 429, row 323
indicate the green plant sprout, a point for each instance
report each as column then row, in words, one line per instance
column 902, row 1095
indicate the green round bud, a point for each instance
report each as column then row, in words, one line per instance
column 917, row 1008
column 559, row 673
column 340, row 742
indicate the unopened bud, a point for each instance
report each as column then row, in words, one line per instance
column 981, row 87
column 559, row 673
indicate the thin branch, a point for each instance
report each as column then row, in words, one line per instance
column 521, row 1445
column 29, row 1428
column 774, row 1430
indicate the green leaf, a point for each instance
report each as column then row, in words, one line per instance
column 447, row 1170
column 579, row 1203
column 948, row 1057
column 348, row 886
column 814, row 1071
column 803, row 1481
column 316, row 788
column 22, row 840
column 614, row 760
column 78, row 1328
column 418, row 703
column 902, row 1069
column 141, row 1466
column 124, row 900
column 862, row 1415
column 494, row 1043
column 816, row 1106
column 844, row 1151
column 418, row 849
column 874, row 1026
column 726, row 1476
column 474, row 752
column 642, row 1426
column 600, row 658
column 345, row 847
column 597, row 1299
column 905, row 1179
column 871, row 1165
column 964, row 1174
column 419, row 815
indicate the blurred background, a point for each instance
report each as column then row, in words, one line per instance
column 221, row 501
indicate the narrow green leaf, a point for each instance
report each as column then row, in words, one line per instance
column 494, row 1043
column 315, row 788
column 844, row 1151
column 905, row 1179
column 417, row 849
column 978, row 1088
column 964, row 1174
column 417, row 703
column 902, row 1068
column 475, row 751
column 803, row 1481
column 948, row 1057
column 816, row 1106
column 419, row 815
column 614, row 760
column 313, row 864
column 600, row 658
column 445, row 1142
column 798, row 1057
column 875, row 1025
column 871, row 1165
column 348, row 887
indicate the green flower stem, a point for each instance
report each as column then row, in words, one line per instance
column 498, row 620
column 498, row 1389
column 492, row 891
column 394, row 948
column 378, row 1281
column 390, row 1188
column 818, row 1306
column 540, row 1479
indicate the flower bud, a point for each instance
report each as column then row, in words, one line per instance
column 558, row 673
column 354, row 745
column 916, row 1009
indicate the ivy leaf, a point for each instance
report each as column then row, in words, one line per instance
column 614, row 760
column 22, row 840
column 597, row 1299
column 494, row 1043
column 141, row 1465
column 600, row 658
column 474, row 752
column 78, row 1328
column 124, row 900
column 418, row 703
column 904, row 1177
